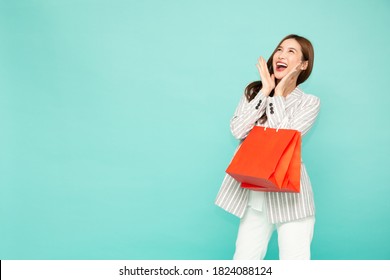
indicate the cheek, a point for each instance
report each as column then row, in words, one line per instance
column 296, row 59
column 274, row 58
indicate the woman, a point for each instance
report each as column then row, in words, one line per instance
column 275, row 101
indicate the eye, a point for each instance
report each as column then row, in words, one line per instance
column 291, row 51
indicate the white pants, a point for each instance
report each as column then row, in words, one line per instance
column 254, row 233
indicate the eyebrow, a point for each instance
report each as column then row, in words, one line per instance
column 288, row 48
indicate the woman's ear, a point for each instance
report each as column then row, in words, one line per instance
column 304, row 65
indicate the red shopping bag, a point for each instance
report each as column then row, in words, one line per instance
column 268, row 160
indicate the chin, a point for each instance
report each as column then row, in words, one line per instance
column 279, row 76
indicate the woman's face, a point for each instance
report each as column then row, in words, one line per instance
column 287, row 56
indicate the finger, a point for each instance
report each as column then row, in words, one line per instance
column 260, row 71
column 258, row 67
column 298, row 70
column 260, row 60
column 262, row 68
column 265, row 67
column 295, row 71
column 299, row 66
column 264, row 64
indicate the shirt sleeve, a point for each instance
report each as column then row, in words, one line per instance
column 247, row 114
column 301, row 119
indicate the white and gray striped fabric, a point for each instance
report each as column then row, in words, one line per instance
column 297, row 111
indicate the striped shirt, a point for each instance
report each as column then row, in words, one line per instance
column 296, row 111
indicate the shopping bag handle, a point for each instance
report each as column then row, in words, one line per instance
column 282, row 122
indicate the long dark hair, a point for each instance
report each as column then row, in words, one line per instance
column 308, row 55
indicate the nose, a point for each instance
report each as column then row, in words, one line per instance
column 281, row 55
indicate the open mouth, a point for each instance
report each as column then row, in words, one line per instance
column 280, row 66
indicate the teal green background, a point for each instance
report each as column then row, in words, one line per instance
column 114, row 124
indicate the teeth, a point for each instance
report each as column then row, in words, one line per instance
column 281, row 64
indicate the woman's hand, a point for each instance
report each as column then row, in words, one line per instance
column 289, row 82
column 267, row 80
